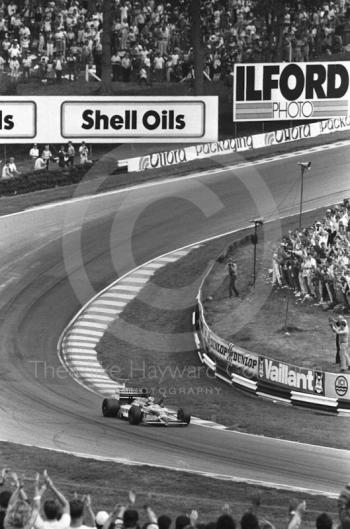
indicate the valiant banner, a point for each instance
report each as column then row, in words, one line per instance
column 288, row 91
column 296, row 378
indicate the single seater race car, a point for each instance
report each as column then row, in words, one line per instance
column 138, row 407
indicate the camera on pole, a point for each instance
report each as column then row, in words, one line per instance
column 303, row 167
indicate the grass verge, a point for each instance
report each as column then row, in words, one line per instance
column 171, row 492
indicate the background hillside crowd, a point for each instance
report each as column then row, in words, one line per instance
column 52, row 40
column 315, row 262
column 48, row 508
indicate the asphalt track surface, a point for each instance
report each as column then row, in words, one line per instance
column 53, row 259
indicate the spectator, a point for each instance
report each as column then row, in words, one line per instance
column 70, row 154
column 344, row 505
column 20, row 514
column 62, row 157
column 336, row 323
column 40, row 164
column 130, row 519
column 13, row 168
column 6, row 173
column 225, row 521
column 116, row 66
column 182, row 521
column 164, row 522
column 158, row 66
column 5, row 496
column 126, row 68
column 143, row 78
column 248, row 521
column 58, row 67
column 80, row 511
column 46, row 155
column 34, row 152
column 26, row 66
column 232, row 272
column 56, row 511
column 100, row 519
column 84, row 154
column 343, row 331
column 324, row 521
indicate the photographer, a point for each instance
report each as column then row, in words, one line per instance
column 336, row 323
column 232, row 272
column 342, row 330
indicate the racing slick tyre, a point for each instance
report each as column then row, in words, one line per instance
column 110, row 407
column 135, row 415
column 183, row 416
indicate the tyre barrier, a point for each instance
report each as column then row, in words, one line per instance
column 278, row 381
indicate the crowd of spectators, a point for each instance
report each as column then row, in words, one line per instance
column 151, row 39
column 315, row 261
column 42, row 158
column 50, row 509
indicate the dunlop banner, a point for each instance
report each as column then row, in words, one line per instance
column 236, row 359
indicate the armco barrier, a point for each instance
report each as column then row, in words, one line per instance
column 240, row 144
column 266, row 377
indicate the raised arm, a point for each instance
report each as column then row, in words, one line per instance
column 89, row 518
column 61, row 498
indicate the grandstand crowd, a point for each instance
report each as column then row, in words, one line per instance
column 151, row 41
column 315, row 261
column 48, row 508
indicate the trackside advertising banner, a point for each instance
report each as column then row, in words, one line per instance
column 338, row 385
column 233, row 145
column 233, row 358
column 296, row 378
column 188, row 154
column 53, row 119
column 273, row 372
column 287, row 91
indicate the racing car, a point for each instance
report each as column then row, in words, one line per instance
column 139, row 407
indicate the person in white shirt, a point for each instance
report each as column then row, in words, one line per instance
column 158, row 65
column 80, row 512
column 53, row 509
column 13, row 167
column 46, row 155
column 6, row 173
column 84, row 154
column 40, row 164
column 34, row 152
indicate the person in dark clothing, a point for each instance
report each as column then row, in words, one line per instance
column 336, row 323
column 164, row 521
column 324, row 521
column 62, row 157
column 5, row 496
column 232, row 272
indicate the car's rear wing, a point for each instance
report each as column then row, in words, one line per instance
column 128, row 394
